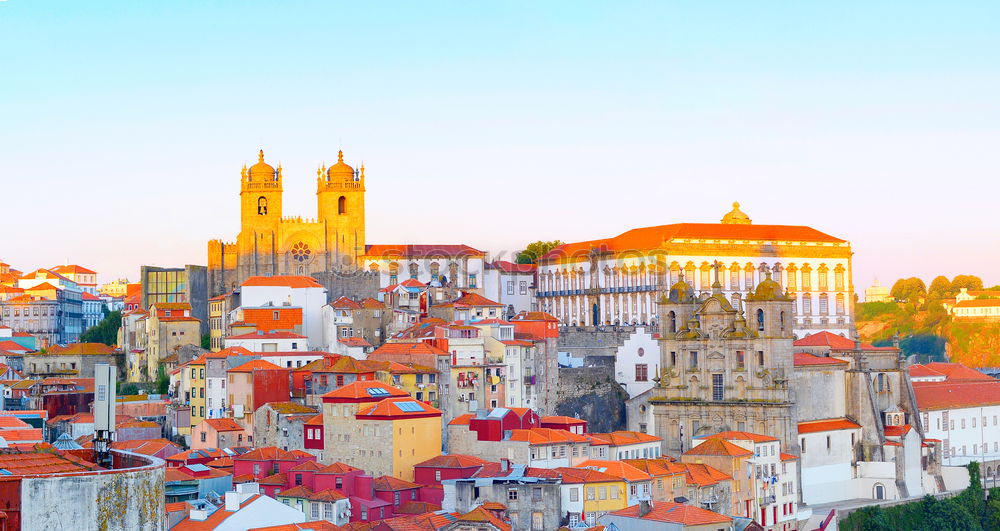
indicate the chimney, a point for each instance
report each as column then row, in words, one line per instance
column 199, row 515
column 644, row 507
column 232, row 501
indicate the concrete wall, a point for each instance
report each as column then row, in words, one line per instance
column 581, row 342
column 116, row 500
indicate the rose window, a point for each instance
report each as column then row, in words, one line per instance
column 300, row 252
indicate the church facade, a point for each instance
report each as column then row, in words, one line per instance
column 618, row 280
column 270, row 243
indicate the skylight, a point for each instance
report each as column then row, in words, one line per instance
column 410, row 406
column 377, row 391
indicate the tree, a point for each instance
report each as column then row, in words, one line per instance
column 940, row 288
column 969, row 282
column 162, row 381
column 206, row 341
column 909, row 290
column 105, row 331
column 536, row 250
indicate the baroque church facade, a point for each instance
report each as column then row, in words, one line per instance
column 270, row 243
column 724, row 367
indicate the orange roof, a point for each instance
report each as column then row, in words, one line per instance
column 978, row 303
column 584, row 475
column 399, row 407
column 365, row 391
column 534, row 316
column 951, row 394
column 834, row 341
column 721, row 447
column 560, row 419
column 453, row 461
column 510, row 267
column 788, row 457
column 655, row 237
column 267, row 453
column 923, row 371
column 354, row 341
column 72, row 269
column 273, row 334
column 443, row 251
column 481, row 515
column 213, row 521
column 462, row 420
column 345, row 303
column 82, row 349
column 44, row 286
column 620, row 438
column 469, row 299
column 618, row 469
column 545, row 436
column 803, row 359
column 19, row 462
column 957, row 371
column 256, row 365
column 8, row 421
column 678, row 513
column 827, row 425
column 223, row 424
column 410, row 348
column 263, row 318
column 317, row 525
column 389, row 483
column 744, row 436
column 339, row 468
column 289, row 281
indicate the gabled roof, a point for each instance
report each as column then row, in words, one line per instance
column 923, row 371
column 620, row 438
column 470, row 299
column 719, row 447
column 364, row 391
column 345, row 303
column 510, row 267
column 535, row 316
column 339, row 468
column 354, row 341
column 957, row 371
column 72, row 269
column 678, row 513
column 81, row 349
column 834, row 341
column 288, row 281
column 389, row 483
column 546, row 436
column 585, row 475
column 958, row 394
column 256, row 365
column 841, row 423
column 267, row 453
column 618, row 469
column 479, row 515
column 561, row 419
column 398, row 407
column 223, row 424
column 453, row 461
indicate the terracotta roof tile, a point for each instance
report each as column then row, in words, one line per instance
column 813, row 426
column 443, row 251
column 804, row 359
column 616, row 468
column 678, row 513
column 951, row 394
column 453, row 461
column 718, row 447
column 290, row 281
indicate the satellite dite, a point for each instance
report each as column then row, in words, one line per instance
column 105, row 379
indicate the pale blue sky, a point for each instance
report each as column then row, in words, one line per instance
column 123, row 125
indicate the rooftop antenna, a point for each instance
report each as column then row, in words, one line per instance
column 104, row 412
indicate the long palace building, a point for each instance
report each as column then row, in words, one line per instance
column 620, row 280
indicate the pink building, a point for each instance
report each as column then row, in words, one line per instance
column 219, row 433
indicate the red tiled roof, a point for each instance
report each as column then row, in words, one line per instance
column 956, row 394
column 834, row 341
column 619, row 438
column 510, row 267
column 317, row 525
column 389, row 483
column 345, row 303
column 804, row 359
column 223, row 424
column 396, row 408
column 256, row 365
column 359, row 392
column 81, row 349
column 827, row 425
column 420, row 347
column 469, row 299
column 290, row 281
column 618, row 469
column 678, row 513
column 274, row 334
column 744, row 436
column 560, row 419
column 20, row 463
column 267, row 453
column 721, row 447
column 584, row 475
column 788, row 457
column 923, row 371
column 957, row 371
column 545, row 436
column 453, row 461
column 354, row 341
column 535, row 316
column 443, row 251
column 978, row 303
column 72, row 269
column 461, row 420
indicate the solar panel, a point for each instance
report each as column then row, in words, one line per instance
column 377, row 391
column 410, row 407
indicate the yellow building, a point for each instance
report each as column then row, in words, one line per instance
column 196, row 380
column 588, row 494
column 168, row 326
column 270, row 244
column 216, row 322
column 379, row 428
column 420, row 382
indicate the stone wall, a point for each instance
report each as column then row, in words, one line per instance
column 583, row 342
column 592, row 394
column 352, row 284
column 106, row 501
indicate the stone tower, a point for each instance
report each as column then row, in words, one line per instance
column 260, row 218
column 340, row 197
column 721, row 370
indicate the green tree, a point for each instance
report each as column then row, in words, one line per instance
column 105, row 331
column 969, row 282
column 940, row 288
column 128, row 388
column 874, row 519
column 206, row 342
column 909, row 290
column 535, row 250
column 162, row 381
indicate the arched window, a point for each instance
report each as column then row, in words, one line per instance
column 342, row 205
column 414, row 269
column 261, row 206
column 879, row 491
column 782, row 321
column 760, row 319
column 672, row 322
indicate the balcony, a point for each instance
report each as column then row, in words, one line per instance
column 767, row 500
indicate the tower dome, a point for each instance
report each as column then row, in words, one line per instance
column 736, row 216
column 261, row 171
column 340, row 170
column 681, row 291
column 768, row 290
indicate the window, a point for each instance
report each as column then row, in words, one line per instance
column 523, row 288
column 824, row 304
column 740, row 359
column 673, row 359
column 717, row 390
column 806, row 304
column 512, row 494
column 510, row 287
column 840, row 304
column 694, row 359
column 760, row 358
column 602, row 493
column 590, row 493
column 760, row 320
column 641, row 372
column 204, row 437
column 472, row 280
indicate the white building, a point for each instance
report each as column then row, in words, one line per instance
column 272, row 341
column 458, row 266
column 513, row 285
column 637, row 362
column 618, row 280
column 92, row 309
column 827, row 458
column 298, row 291
column 960, row 407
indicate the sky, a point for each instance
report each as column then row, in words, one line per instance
column 124, row 125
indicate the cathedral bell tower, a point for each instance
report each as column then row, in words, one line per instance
column 340, row 196
column 260, row 217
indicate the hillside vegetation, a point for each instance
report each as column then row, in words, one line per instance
column 918, row 316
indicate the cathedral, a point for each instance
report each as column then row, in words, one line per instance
column 270, row 243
